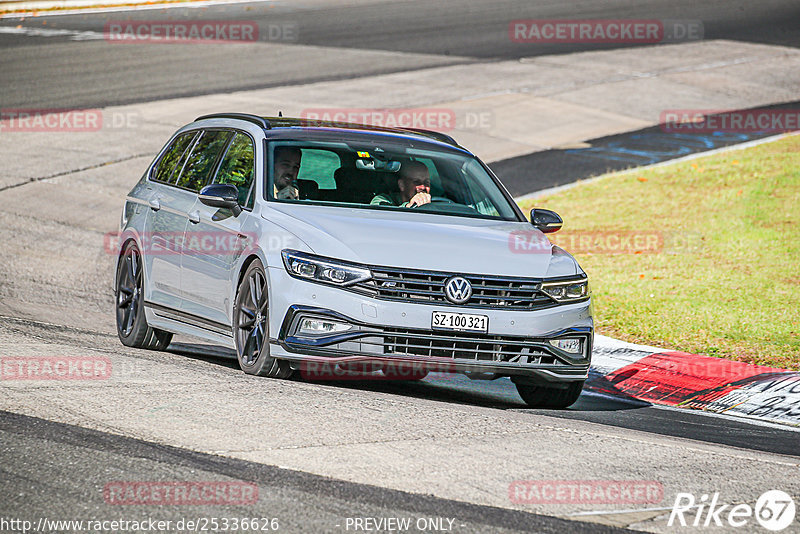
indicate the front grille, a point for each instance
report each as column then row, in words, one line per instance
column 456, row 345
column 464, row 346
column 427, row 287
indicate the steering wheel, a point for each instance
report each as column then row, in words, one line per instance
column 436, row 199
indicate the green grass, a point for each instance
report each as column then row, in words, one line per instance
column 734, row 292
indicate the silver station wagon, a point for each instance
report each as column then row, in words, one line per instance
column 348, row 251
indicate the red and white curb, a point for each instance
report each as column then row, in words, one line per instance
column 680, row 379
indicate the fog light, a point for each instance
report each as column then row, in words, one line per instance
column 570, row 344
column 316, row 327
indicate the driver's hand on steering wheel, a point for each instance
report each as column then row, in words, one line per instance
column 419, row 199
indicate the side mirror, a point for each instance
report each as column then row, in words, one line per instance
column 221, row 196
column 547, row 221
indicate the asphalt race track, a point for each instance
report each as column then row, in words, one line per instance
column 648, row 146
column 303, row 502
column 426, row 34
column 321, row 454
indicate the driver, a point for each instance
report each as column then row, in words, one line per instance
column 287, row 165
column 414, row 184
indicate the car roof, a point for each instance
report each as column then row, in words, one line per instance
column 312, row 126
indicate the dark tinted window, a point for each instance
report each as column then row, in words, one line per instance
column 203, row 159
column 172, row 157
column 237, row 167
column 319, row 166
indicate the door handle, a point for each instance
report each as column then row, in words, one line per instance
column 194, row 217
column 155, row 205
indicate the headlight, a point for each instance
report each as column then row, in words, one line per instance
column 567, row 290
column 318, row 269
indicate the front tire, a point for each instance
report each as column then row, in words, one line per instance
column 251, row 326
column 550, row 397
column 132, row 327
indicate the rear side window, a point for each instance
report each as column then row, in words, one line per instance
column 203, row 159
column 237, row 168
column 172, row 157
column 319, row 166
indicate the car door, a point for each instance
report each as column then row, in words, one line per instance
column 165, row 224
column 215, row 239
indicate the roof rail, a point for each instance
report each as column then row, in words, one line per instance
column 439, row 136
column 267, row 124
column 255, row 119
column 284, row 122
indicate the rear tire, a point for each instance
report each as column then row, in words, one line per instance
column 550, row 397
column 251, row 326
column 132, row 327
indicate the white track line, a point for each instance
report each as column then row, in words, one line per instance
column 113, row 9
column 74, row 35
column 629, row 511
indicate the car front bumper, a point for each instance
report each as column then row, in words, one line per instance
column 386, row 333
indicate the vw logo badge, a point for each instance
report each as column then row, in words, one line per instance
column 457, row 289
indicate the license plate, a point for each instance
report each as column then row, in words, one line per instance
column 462, row 322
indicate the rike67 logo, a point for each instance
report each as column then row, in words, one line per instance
column 774, row 510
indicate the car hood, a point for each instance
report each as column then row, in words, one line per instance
column 424, row 241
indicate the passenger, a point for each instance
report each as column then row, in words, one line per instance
column 287, row 165
column 414, row 187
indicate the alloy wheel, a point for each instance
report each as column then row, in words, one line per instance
column 251, row 324
column 129, row 291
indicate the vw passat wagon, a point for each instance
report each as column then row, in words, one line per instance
column 340, row 247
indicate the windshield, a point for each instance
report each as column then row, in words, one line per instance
column 387, row 177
